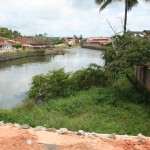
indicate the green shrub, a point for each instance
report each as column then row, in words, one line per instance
column 51, row 85
column 17, row 45
column 94, row 75
column 60, row 84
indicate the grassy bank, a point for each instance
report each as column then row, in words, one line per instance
column 15, row 54
column 64, row 46
column 101, row 110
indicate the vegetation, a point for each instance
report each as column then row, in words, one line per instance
column 60, row 84
column 51, row 40
column 15, row 54
column 94, row 98
column 17, row 45
column 128, row 51
column 8, row 33
column 129, row 4
column 102, row 110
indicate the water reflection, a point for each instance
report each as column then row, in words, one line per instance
column 16, row 75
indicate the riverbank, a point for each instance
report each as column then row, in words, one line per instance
column 100, row 110
column 16, row 54
column 95, row 46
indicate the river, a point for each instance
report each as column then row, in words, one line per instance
column 16, row 75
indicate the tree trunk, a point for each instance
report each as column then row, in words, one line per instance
column 125, row 17
column 134, row 84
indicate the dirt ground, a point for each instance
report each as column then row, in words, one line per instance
column 12, row 138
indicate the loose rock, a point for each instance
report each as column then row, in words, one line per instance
column 25, row 126
column 17, row 125
column 94, row 134
column 126, row 138
column 81, row 132
column 37, row 128
column 51, row 130
column 63, row 130
column 140, row 136
column 112, row 136
column 2, row 123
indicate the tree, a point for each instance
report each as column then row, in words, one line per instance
column 129, row 4
column 17, row 45
column 128, row 51
column 8, row 33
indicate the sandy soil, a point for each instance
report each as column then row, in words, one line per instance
column 12, row 138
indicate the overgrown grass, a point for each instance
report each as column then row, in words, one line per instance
column 102, row 110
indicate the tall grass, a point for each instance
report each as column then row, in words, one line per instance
column 101, row 110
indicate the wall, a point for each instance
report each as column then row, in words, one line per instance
column 143, row 76
column 93, row 45
column 10, row 55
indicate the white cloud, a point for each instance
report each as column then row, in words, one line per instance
column 69, row 17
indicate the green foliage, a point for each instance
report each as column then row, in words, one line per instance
column 122, row 84
column 94, row 75
column 57, row 41
column 17, row 45
column 8, row 33
column 102, row 110
column 128, row 51
column 52, row 40
column 60, row 84
column 54, row 84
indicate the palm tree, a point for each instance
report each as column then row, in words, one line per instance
column 129, row 4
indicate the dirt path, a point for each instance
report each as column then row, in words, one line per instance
column 12, row 138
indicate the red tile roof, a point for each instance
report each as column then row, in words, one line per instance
column 100, row 40
column 25, row 40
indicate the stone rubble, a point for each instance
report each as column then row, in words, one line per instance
column 51, row 130
column 25, row 126
column 40, row 128
column 2, row 123
column 63, row 131
column 17, row 125
column 81, row 132
column 112, row 136
column 106, row 137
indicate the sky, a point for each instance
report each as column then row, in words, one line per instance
column 59, row 18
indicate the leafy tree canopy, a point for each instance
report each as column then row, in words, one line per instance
column 17, row 45
column 8, row 33
column 127, row 51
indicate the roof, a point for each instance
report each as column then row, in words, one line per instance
column 147, row 31
column 101, row 40
column 12, row 41
column 39, row 43
column 25, row 40
column 137, row 32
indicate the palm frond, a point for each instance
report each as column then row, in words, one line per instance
column 104, row 5
column 100, row 1
column 132, row 3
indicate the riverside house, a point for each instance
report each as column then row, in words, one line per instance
column 96, row 42
column 142, row 33
column 72, row 40
column 29, row 43
column 6, row 44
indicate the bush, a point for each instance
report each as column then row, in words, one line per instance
column 17, row 45
column 61, row 84
column 94, row 75
column 51, row 85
